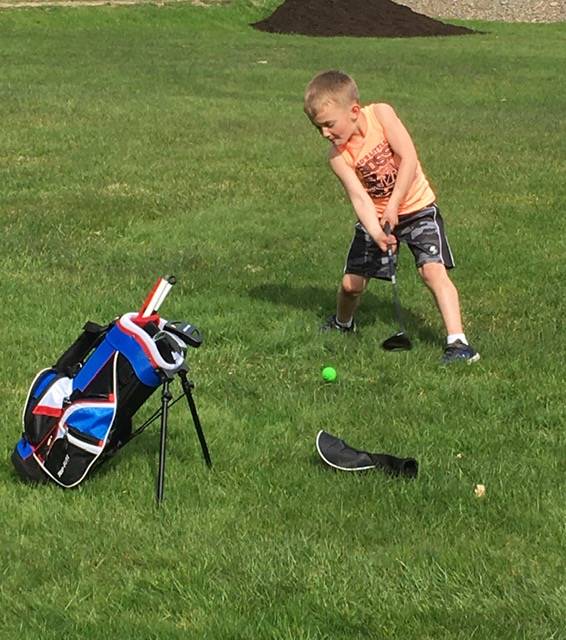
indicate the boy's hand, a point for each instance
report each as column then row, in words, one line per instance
column 386, row 239
column 390, row 216
column 390, row 241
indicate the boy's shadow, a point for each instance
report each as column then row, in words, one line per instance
column 323, row 302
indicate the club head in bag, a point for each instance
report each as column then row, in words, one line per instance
column 188, row 333
column 399, row 342
column 169, row 347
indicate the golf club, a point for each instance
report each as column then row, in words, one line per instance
column 400, row 341
column 188, row 333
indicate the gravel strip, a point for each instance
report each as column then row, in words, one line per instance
column 492, row 10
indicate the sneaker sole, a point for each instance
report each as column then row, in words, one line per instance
column 468, row 361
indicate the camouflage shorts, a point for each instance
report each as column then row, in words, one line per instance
column 422, row 232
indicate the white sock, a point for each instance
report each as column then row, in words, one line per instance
column 456, row 336
column 345, row 325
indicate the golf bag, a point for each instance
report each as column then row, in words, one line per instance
column 79, row 412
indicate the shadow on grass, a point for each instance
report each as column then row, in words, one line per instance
column 323, row 302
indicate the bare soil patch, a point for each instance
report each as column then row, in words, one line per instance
column 360, row 18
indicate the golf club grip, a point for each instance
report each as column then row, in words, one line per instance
column 387, row 229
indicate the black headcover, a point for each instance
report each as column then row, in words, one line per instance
column 339, row 455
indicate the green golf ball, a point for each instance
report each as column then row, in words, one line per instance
column 329, row 374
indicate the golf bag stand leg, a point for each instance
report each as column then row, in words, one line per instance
column 165, row 399
column 187, row 386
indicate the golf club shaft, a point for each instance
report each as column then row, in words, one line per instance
column 393, row 276
column 396, row 301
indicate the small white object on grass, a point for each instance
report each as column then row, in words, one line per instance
column 479, row 490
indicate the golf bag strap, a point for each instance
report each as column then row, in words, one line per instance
column 69, row 361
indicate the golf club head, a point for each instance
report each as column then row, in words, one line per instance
column 399, row 342
column 188, row 333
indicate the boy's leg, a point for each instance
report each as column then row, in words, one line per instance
column 445, row 294
column 364, row 261
column 348, row 298
column 424, row 234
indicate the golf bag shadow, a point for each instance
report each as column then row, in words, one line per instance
column 79, row 412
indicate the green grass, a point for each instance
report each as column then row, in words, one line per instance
column 148, row 140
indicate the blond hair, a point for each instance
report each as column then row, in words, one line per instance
column 330, row 87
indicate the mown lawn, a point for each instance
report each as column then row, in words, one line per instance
column 139, row 141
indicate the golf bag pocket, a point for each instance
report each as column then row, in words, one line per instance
column 44, row 403
column 65, row 431
column 83, row 430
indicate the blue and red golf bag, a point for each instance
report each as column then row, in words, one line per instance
column 79, row 412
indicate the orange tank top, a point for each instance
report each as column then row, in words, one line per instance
column 376, row 166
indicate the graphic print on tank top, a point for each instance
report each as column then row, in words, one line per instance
column 377, row 171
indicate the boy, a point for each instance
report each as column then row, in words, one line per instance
column 373, row 156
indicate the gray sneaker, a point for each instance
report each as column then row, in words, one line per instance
column 457, row 351
column 330, row 324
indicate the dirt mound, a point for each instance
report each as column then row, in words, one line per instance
column 361, row 18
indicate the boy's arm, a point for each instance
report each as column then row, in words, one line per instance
column 362, row 203
column 402, row 145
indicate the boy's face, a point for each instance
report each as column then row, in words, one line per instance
column 336, row 122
